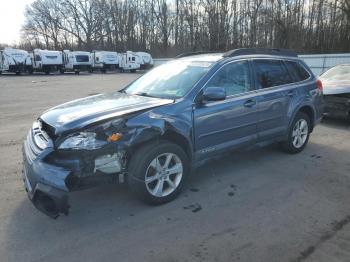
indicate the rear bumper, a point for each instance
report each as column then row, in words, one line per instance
column 45, row 186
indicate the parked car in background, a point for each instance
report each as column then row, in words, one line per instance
column 46, row 61
column 336, row 90
column 105, row 60
column 75, row 61
column 15, row 61
column 146, row 60
column 129, row 61
column 171, row 119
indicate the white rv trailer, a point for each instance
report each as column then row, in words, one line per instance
column 129, row 61
column 46, row 61
column 76, row 61
column 15, row 61
column 146, row 60
column 104, row 60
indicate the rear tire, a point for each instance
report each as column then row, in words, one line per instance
column 298, row 134
column 157, row 172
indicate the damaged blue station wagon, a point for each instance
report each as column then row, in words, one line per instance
column 152, row 132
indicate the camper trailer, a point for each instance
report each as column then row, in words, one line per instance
column 46, row 61
column 15, row 61
column 146, row 60
column 104, row 60
column 76, row 61
column 129, row 61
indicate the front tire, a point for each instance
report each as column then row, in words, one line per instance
column 157, row 172
column 299, row 133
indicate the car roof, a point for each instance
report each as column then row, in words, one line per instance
column 274, row 53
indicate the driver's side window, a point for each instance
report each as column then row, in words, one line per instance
column 233, row 77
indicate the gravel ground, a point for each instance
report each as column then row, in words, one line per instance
column 261, row 205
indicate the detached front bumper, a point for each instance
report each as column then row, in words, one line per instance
column 45, row 186
column 45, row 183
column 49, row 175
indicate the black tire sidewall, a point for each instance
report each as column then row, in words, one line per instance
column 140, row 162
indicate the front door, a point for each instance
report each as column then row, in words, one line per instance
column 228, row 123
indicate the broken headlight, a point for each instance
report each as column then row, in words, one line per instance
column 83, row 140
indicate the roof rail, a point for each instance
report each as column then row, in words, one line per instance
column 194, row 53
column 261, row 51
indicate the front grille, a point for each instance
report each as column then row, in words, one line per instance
column 36, row 141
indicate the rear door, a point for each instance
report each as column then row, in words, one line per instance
column 228, row 123
column 275, row 93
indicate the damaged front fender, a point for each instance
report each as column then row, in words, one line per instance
column 156, row 124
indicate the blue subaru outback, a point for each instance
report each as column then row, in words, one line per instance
column 154, row 131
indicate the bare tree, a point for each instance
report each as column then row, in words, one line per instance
column 167, row 27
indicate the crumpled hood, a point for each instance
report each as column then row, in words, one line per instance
column 336, row 87
column 82, row 112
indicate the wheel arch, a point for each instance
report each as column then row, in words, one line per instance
column 180, row 140
column 309, row 111
column 168, row 135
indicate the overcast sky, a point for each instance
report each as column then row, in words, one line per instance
column 11, row 19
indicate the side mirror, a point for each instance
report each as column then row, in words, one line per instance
column 214, row 94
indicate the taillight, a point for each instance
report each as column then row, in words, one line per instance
column 319, row 84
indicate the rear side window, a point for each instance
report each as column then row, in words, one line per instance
column 297, row 71
column 271, row 73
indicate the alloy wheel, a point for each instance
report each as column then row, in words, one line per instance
column 300, row 133
column 164, row 174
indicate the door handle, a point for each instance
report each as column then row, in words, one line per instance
column 291, row 93
column 249, row 103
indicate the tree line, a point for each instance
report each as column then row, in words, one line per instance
column 169, row 27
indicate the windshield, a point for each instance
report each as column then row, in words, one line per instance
column 171, row 80
column 337, row 73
